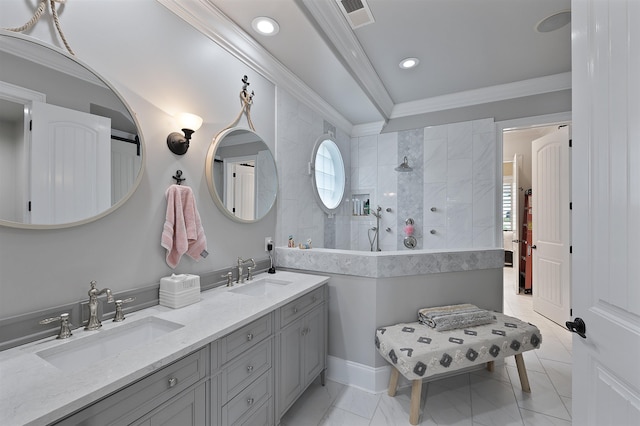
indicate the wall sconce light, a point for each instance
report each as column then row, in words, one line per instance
column 177, row 142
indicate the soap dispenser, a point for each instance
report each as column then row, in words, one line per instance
column 272, row 268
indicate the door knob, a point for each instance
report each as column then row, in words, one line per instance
column 534, row 246
column 577, row 326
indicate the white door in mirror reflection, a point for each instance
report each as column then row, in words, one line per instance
column 240, row 184
column 125, row 164
column 70, row 170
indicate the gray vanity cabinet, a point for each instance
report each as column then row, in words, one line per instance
column 246, row 375
column 301, row 348
column 249, row 377
column 187, row 409
column 155, row 399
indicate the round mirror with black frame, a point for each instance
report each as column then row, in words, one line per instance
column 71, row 150
column 328, row 177
column 241, row 175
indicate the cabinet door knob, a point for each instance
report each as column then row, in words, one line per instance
column 295, row 310
column 250, row 369
column 172, row 382
column 250, row 401
column 250, row 337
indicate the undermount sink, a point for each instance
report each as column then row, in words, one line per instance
column 261, row 287
column 77, row 354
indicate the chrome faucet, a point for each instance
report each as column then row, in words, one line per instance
column 94, row 322
column 240, row 269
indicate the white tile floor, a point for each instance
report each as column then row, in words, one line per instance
column 478, row 398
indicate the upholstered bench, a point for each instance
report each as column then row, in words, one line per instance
column 417, row 351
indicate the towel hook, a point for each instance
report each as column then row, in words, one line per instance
column 178, row 177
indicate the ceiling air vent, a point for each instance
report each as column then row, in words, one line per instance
column 357, row 12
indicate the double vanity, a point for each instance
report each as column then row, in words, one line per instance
column 240, row 356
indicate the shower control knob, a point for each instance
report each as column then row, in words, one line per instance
column 433, row 231
column 433, row 209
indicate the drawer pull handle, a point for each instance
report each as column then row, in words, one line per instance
column 172, row 382
column 250, row 401
column 250, row 337
column 250, row 369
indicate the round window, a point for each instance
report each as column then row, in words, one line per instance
column 328, row 174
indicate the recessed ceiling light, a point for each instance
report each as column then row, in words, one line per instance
column 265, row 26
column 407, row 63
column 554, row 22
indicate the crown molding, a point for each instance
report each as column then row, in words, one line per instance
column 367, row 129
column 210, row 21
column 333, row 24
column 518, row 89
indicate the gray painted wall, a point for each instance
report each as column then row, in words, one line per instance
column 162, row 67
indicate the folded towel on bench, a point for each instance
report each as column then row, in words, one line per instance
column 451, row 317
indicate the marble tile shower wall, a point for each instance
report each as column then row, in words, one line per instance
column 454, row 171
column 298, row 214
column 460, row 163
column 373, row 159
column 454, row 165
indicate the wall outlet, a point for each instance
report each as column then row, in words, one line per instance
column 267, row 241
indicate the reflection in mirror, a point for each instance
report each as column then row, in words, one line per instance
column 329, row 178
column 241, row 175
column 70, row 149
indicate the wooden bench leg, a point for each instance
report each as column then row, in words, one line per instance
column 490, row 366
column 393, row 381
column 522, row 372
column 416, row 390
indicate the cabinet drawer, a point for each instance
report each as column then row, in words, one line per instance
column 141, row 397
column 294, row 310
column 237, row 375
column 248, row 399
column 263, row 416
column 245, row 338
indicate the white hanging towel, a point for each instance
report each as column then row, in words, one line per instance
column 182, row 232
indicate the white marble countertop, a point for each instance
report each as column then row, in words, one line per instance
column 34, row 392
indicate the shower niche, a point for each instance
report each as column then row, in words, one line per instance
column 361, row 204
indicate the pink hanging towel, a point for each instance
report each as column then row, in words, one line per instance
column 182, row 232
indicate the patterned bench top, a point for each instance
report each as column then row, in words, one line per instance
column 418, row 351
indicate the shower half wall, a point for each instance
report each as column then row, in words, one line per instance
column 369, row 290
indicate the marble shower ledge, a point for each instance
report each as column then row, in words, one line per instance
column 387, row 264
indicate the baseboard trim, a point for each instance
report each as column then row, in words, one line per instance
column 376, row 379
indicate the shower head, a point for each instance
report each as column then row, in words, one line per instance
column 404, row 166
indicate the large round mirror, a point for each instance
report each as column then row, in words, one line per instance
column 70, row 147
column 329, row 178
column 241, row 175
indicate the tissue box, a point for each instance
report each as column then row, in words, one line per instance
column 177, row 291
column 178, row 283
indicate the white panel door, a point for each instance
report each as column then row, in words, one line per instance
column 245, row 191
column 606, row 211
column 125, row 164
column 239, row 194
column 70, row 164
column 551, row 259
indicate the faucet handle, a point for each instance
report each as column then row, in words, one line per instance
column 119, row 316
column 250, row 272
column 65, row 325
column 229, row 277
